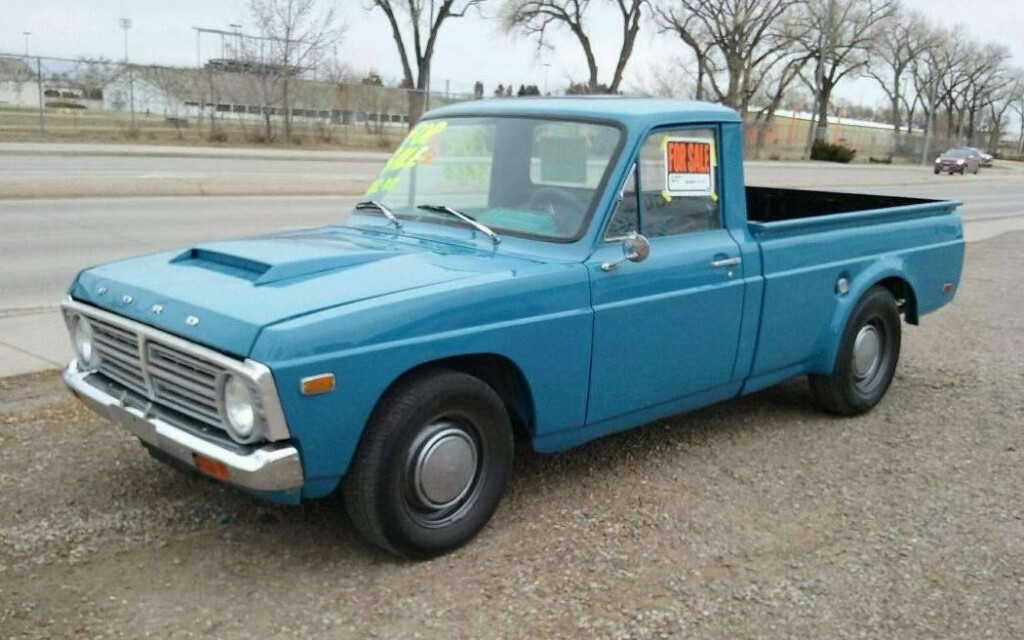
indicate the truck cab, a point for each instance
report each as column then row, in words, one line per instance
column 530, row 272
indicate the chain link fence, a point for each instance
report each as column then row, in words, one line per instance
column 99, row 100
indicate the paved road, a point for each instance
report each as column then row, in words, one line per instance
column 72, row 175
column 43, row 243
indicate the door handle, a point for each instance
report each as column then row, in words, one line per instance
column 726, row 262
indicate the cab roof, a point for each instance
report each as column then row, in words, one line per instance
column 628, row 111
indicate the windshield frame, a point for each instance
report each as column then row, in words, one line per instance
column 599, row 191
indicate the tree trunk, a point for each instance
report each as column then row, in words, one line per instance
column 821, row 132
column 895, row 114
column 417, row 103
column 592, row 66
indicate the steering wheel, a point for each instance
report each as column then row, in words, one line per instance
column 565, row 207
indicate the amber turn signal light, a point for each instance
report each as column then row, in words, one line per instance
column 212, row 468
column 314, row 385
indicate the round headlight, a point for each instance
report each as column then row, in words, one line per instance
column 239, row 409
column 84, row 341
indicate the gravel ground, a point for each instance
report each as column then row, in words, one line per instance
column 757, row 518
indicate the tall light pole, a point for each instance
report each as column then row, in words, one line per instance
column 126, row 24
column 26, row 34
column 238, row 40
column 547, row 65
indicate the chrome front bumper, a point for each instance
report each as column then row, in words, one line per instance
column 274, row 467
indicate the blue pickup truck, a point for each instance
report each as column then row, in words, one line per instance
column 535, row 271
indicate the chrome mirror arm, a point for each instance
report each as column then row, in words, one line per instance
column 635, row 248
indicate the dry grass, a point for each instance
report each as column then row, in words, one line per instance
column 72, row 125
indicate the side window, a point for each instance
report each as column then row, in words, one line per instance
column 626, row 217
column 678, row 182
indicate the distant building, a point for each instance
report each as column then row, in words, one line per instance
column 173, row 92
column 788, row 132
column 18, row 84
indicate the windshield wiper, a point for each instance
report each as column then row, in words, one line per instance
column 373, row 204
column 482, row 228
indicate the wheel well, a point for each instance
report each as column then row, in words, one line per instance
column 500, row 374
column 905, row 298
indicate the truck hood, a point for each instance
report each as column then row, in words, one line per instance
column 222, row 294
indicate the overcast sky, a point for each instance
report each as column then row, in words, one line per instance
column 469, row 49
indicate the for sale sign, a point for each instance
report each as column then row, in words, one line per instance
column 689, row 167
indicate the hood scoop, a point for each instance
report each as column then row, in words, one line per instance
column 264, row 264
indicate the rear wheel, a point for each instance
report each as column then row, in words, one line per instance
column 867, row 357
column 432, row 465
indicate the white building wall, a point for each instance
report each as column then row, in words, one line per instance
column 20, row 94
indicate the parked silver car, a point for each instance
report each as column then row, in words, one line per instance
column 986, row 157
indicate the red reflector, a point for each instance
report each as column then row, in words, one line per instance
column 212, row 468
column 946, row 288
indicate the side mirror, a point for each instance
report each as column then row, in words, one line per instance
column 635, row 248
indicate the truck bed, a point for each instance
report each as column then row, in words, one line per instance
column 767, row 204
column 808, row 240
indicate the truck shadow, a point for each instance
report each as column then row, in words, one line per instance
column 322, row 532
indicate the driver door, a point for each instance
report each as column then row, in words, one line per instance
column 667, row 327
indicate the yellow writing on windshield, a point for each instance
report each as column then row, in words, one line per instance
column 413, row 150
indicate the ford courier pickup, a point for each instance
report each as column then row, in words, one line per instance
column 536, row 271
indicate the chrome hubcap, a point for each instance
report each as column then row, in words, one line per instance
column 444, row 467
column 867, row 351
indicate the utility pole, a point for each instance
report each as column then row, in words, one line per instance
column 547, row 65
column 126, row 24
column 26, row 34
column 39, row 85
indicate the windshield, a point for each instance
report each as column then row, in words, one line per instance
column 522, row 176
column 956, row 153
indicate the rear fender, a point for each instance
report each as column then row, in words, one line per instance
column 888, row 268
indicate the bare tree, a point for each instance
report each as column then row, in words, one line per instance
column 936, row 75
column 902, row 39
column 1002, row 102
column 777, row 85
column 986, row 76
column 537, row 18
column 737, row 43
column 175, row 86
column 90, row 76
column 295, row 37
column 1016, row 100
column 412, row 19
column 839, row 36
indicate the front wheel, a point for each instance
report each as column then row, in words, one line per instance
column 432, row 466
column 867, row 357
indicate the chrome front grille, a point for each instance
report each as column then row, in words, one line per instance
column 177, row 374
column 163, row 374
column 184, row 383
column 120, row 356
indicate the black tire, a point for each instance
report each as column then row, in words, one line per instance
column 855, row 387
column 936, row 172
column 385, row 492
